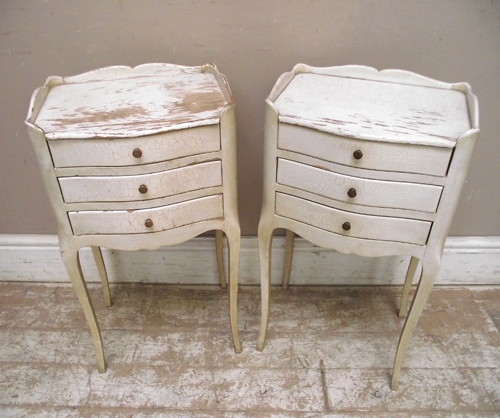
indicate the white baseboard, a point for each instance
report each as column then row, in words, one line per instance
column 466, row 261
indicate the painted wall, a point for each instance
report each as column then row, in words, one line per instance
column 252, row 42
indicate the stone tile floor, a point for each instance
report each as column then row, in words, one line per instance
column 168, row 348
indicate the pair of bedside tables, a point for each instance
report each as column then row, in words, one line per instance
column 356, row 160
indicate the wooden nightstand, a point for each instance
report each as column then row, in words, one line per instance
column 365, row 162
column 138, row 159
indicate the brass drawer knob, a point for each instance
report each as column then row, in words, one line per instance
column 143, row 189
column 346, row 226
column 357, row 154
column 148, row 223
column 137, row 153
column 351, row 192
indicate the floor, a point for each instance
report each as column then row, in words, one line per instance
column 168, row 348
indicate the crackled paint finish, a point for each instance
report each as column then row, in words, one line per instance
column 146, row 158
column 380, row 155
column 118, row 152
column 371, row 227
column 400, row 136
column 368, row 192
column 133, row 222
column 126, row 188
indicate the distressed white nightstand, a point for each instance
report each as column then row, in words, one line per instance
column 137, row 159
column 365, row 162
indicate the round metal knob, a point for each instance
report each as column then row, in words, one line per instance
column 346, row 226
column 137, row 153
column 357, row 154
column 148, row 223
column 351, row 192
column 143, row 188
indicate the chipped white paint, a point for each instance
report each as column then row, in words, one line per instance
column 382, row 111
column 170, row 357
column 138, row 158
column 131, row 104
column 390, row 121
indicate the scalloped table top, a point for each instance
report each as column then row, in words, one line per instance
column 123, row 102
column 375, row 110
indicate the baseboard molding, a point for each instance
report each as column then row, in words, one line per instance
column 466, row 261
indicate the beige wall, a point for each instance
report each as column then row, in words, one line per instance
column 252, row 42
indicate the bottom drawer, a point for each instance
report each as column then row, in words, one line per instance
column 135, row 222
column 361, row 226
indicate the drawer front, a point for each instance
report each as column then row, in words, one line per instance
column 141, row 187
column 120, row 152
column 361, row 226
column 389, row 194
column 135, row 222
column 384, row 156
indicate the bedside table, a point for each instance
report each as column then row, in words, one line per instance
column 365, row 162
column 138, row 159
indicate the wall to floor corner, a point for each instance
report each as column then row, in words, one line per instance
column 36, row 258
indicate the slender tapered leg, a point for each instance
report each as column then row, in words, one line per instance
column 234, row 243
column 290, row 236
column 265, row 241
column 410, row 274
column 428, row 275
column 101, row 268
column 71, row 260
column 219, row 250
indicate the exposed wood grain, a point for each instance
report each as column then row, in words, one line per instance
column 125, row 106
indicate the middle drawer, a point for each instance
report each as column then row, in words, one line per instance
column 141, row 187
column 388, row 194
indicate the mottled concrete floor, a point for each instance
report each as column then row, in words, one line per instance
column 169, row 354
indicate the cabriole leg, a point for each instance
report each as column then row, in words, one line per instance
column 410, row 274
column 428, row 275
column 101, row 268
column 290, row 236
column 71, row 260
column 219, row 250
column 265, row 241
column 233, row 242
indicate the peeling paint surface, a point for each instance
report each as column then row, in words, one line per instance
column 169, row 354
column 127, row 106
column 387, row 111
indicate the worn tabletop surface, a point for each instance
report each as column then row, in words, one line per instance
column 375, row 110
column 132, row 105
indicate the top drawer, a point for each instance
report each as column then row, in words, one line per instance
column 372, row 155
column 120, row 152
